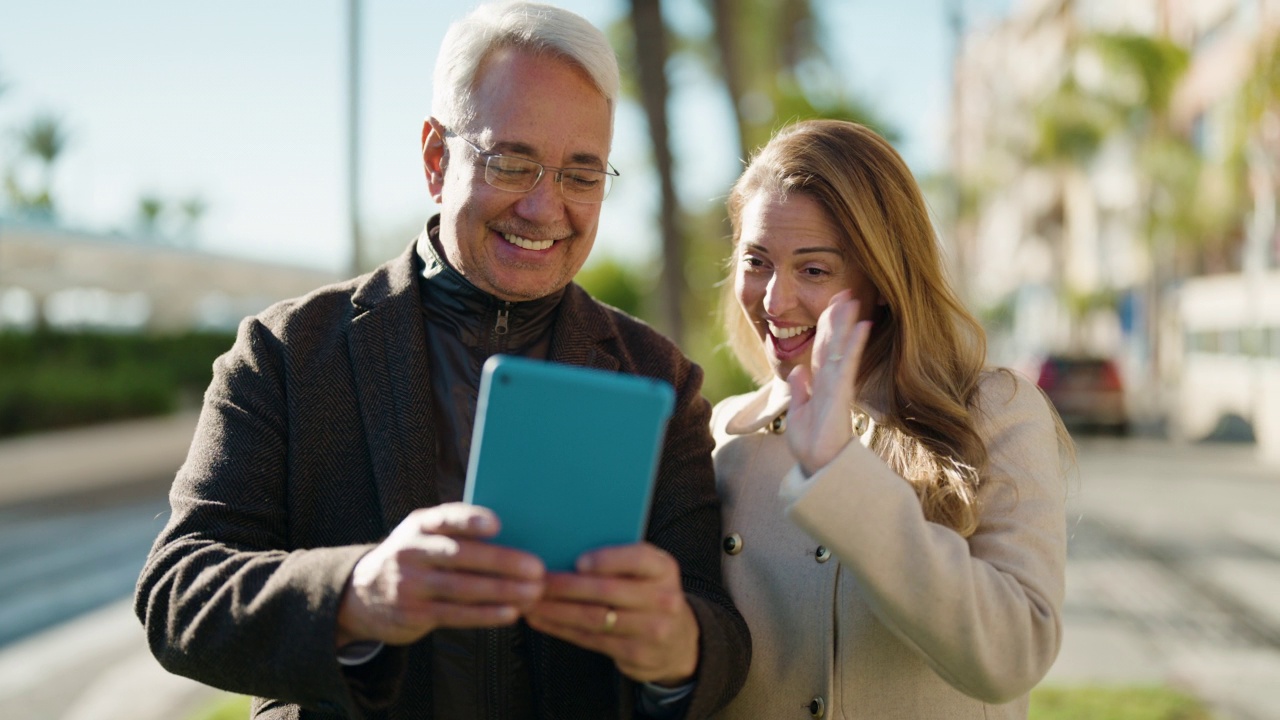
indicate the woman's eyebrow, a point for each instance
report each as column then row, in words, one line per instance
column 817, row 249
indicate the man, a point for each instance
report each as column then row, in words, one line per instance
column 317, row 556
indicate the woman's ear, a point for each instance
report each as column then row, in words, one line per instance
column 435, row 156
column 881, row 309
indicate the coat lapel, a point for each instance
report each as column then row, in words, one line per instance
column 764, row 406
column 389, row 362
column 584, row 334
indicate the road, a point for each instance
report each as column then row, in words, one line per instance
column 62, row 558
column 1173, row 573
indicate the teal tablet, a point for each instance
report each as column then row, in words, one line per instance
column 566, row 456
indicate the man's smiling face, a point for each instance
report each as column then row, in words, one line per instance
column 519, row 246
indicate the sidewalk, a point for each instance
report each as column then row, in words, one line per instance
column 1173, row 575
column 36, row 467
column 98, row 666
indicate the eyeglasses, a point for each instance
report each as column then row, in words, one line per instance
column 517, row 174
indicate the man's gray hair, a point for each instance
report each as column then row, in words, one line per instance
column 525, row 25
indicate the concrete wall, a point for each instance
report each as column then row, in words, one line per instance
column 79, row 279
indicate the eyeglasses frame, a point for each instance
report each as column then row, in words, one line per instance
column 559, row 172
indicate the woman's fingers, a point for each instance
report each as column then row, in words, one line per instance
column 835, row 328
column 823, row 392
column 852, row 353
column 798, row 380
column 828, row 333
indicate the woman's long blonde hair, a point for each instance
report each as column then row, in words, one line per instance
column 926, row 353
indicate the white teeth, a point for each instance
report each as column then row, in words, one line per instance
column 528, row 244
column 789, row 332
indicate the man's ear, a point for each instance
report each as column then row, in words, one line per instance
column 435, row 156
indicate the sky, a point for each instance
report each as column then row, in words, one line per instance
column 242, row 103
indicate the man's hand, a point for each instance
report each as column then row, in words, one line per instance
column 435, row 570
column 625, row 602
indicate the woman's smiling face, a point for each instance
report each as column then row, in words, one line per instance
column 789, row 262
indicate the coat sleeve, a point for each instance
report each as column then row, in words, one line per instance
column 984, row 613
column 685, row 521
column 223, row 596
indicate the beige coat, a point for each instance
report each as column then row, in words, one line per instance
column 859, row 607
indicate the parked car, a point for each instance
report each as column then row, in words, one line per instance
column 1087, row 392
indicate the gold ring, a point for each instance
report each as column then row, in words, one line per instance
column 610, row 620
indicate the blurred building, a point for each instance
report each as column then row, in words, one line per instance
column 1106, row 153
column 78, row 280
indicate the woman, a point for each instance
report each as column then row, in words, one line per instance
column 893, row 509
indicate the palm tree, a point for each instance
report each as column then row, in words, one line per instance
column 1153, row 65
column 44, row 139
column 1255, row 149
column 193, row 210
column 651, row 60
column 150, row 208
column 1071, row 127
column 787, row 75
column 729, row 54
column 1129, row 106
column 10, row 181
column 1170, row 168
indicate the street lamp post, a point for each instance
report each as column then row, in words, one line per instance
column 353, row 132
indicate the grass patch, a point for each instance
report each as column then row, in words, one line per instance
column 1115, row 703
column 231, row 707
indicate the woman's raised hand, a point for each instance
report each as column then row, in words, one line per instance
column 819, row 422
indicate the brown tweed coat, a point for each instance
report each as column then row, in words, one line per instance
column 316, row 439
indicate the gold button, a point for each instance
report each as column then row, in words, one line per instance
column 733, row 544
column 859, row 423
column 817, row 707
column 822, row 554
column 779, row 424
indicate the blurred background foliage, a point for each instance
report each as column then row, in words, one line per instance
column 56, row 379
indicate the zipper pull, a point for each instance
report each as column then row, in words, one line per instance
column 501, row 326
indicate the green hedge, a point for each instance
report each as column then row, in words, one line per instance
column 51, row 379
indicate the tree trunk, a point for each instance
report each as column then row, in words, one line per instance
column 726, row 33
column 651, row 61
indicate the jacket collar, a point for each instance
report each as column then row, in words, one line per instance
column 468, row 312
column 585, row 334
column 771, row 401
column 763, row 406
